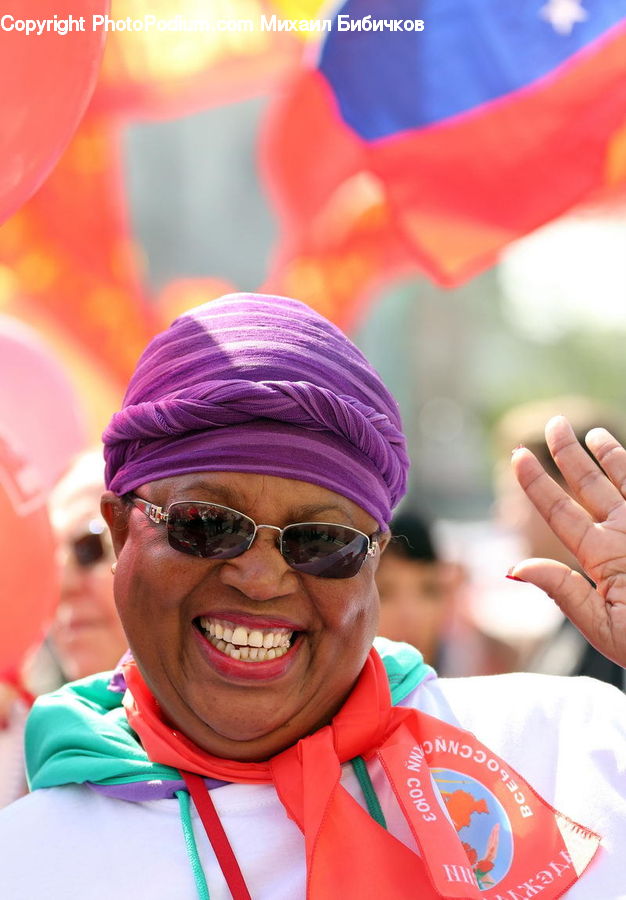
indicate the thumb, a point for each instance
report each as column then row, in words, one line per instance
column 570, row 590
column 601, row 622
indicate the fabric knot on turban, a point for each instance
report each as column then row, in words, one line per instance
column 251, row 383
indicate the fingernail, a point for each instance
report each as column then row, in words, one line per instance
column 513, row 577
column 515, row 449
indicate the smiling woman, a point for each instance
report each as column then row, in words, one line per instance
column 86, row 635
column 251, row 474
column 309, row 635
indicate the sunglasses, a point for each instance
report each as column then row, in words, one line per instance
column 89, row 548
column 211, row 531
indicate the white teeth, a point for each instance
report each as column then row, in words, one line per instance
column 238, row 643
column 240, row 635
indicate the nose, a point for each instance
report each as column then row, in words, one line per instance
column 260, row 573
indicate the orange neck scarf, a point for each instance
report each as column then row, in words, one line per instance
column 530, row 843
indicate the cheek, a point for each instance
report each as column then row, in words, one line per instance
column 148, row 563
column 148, row 588
column 350, row 610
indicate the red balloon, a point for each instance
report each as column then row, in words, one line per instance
column 28, row 571
column 46, row 81
column 38, row 404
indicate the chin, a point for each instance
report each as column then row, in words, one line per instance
column 262, row 730
column 246, row 740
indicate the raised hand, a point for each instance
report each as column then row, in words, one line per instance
column 592, row 525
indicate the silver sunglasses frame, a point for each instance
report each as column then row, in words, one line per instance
column 158, row 516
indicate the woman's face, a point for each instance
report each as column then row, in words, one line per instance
column 414, row 602
column 168, row 600
column 86, row 632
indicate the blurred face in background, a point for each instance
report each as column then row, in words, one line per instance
column 415, row 601
column 86, row 634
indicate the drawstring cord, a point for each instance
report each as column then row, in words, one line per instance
column 217, row 836
column 191, row 846
column 360, row 770
column 373, row 805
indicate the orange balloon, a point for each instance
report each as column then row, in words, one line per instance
column 46, row 82
column 28, row 571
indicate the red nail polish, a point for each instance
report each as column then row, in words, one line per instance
column 515, row 578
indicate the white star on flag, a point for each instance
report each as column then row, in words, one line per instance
column 563, row 14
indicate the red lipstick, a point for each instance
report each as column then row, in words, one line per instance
column 242, row 670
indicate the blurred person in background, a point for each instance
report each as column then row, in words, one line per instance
column 416, row 589
column 564, row 650
column 86, row 635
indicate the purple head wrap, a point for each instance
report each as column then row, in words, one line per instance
column 252, row 383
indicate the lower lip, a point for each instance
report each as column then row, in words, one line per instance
column 247, row 671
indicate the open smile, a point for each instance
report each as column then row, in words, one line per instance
column 240, row 642
column 246, row 649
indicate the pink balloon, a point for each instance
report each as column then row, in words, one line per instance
column 46, row 82
column 28, row 570
column 38, row 405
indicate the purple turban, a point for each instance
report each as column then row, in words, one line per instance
column 252, row 383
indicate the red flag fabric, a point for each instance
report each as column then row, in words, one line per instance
column 70, row 253
column 480, row 124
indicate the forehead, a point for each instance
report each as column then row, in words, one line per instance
column 258, row 495
column 395, row 564
column 76, row 511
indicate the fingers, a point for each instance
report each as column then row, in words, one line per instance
column 576, row 597
column 611, row 456
column 567, row 588
column 567, row 519
column 588, row 483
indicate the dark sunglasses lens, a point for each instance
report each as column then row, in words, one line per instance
column 208, row 531
column 328, row 551
column 88, row 550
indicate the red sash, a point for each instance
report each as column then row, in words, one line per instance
column 481, row 830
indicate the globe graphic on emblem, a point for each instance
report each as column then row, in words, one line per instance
column 481, row 823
